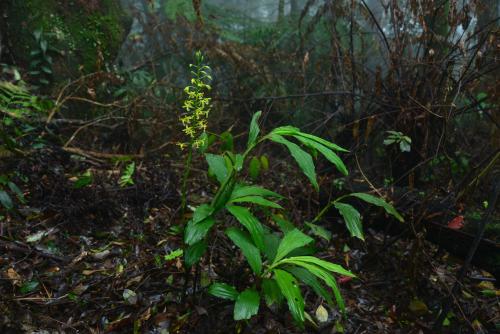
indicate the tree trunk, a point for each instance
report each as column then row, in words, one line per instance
column 281, row 10
column 294, row 9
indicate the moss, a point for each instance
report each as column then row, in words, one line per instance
column 86, row 38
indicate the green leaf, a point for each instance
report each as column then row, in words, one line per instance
column 352, row 219
column 397, row 134
column 202, row 212
column 224, row 291
column 328, row 279
column 271, row 242
column 239, row 159
column 324, row 142
column 271, row 291
column 194, row 252
column 303, row 251
column 264, row 162
column 43, row 45
column 46, row 70
column 204, row 140
column 332, row 267
column 227, row 141
column 250, row 222
column 242, row 191
column 4, row 179
column 224, row 193
column 285, row 225
column 195, row 231
column 309, row 279
column 37, row 34
column 230, row 160
column 327, row 153
column 217, row 165
column 257, row 200
column 15, row 189
column 254, row 168
column 404, row 146
column 290, row 289
column 174, row 255
column 28, row 287
column 247, row 304
column 292, row 240
column 254, row 129
column 303, row 159
column 83, row 180
column 286, row 130
column 290, row 131
column 319, row 231
column 126, row 179
column 6, row 200
column 248, row 249
column 379, row 202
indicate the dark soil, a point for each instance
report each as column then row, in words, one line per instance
column 98, row 266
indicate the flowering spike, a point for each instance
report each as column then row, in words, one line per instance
column 196, row 106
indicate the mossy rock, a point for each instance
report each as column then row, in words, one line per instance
column 88, row 34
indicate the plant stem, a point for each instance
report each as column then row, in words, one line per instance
column 187, row 170
column 327, row 207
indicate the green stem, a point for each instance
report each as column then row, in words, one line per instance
column 187, row 170
column 326, row 208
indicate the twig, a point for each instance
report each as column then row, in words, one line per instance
column 366, row 179
column 284, row 97
column 25, row 249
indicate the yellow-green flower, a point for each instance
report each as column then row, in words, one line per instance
column 196, row 107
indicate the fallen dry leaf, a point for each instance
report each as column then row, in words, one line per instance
column 14, row 276
column 456, row 223
column 321, row 314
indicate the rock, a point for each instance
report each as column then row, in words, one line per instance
column 86, row 34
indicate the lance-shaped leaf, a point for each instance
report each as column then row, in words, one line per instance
column 6, row 201
column 309, row 279
column 290, row 289
column 256, row 200
column 254, row 129
column 202, row 212
column 332, row 267
column 217, row 165
column 15, row 189
column 326, row 152
column 352, row 219
column 319, row 231
column 272, row 292
column 323, row 142
column 248, row 249
column 271, row 241
column 194, row 252
column 328, row 279
column 286, row 130
column 291, row 131
column 303, row 159
column 196, row 231
column 379, row 202
column 284, row 224
column 292, row 240
column 250, row 222
column 224, row 291
column 247, row 304
column 243, row 191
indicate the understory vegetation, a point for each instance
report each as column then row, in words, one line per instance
column 271, row 166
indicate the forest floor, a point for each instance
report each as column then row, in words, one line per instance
column 92, row 260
